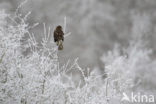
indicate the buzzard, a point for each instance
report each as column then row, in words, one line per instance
column 59, row 37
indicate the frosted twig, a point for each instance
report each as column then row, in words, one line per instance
column 67, row 34
column 65, row 23
column 16, row 12
column 26, row 16
column 64, row 27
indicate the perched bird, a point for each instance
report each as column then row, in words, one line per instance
column 59, row 37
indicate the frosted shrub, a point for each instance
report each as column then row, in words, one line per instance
column 27, row 79
column 130, row 69
column 37, row 78
column 127, row 70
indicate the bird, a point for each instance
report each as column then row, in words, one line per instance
column 59, row 37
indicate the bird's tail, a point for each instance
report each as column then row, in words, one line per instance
column 60, row 45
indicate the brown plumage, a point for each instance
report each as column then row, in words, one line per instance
column 59, row 37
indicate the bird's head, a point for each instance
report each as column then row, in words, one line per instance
column 59, row 27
